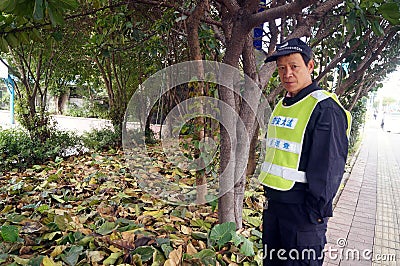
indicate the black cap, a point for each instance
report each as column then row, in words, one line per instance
column 289, row 47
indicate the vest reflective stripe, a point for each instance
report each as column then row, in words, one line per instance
column 285, row 136
column 284, row 145
column 319, row 95
column 287, row 173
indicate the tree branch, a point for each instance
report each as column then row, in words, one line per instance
column 279, row 12
column 317, row 14
column 231, row 5
column 366, row 63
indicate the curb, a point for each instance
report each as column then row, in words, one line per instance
column 346, row 175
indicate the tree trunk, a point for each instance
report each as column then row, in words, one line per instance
column 227, row 204
column 193, row 24
column 32, row 100
column 252, row 162
column 250, row 98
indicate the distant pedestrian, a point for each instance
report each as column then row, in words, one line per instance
column 307, row 142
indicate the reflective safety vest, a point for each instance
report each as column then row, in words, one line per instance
column 285, row 135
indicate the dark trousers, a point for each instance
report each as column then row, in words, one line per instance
column 289, row 238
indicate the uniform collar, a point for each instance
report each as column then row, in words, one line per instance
column 287, row 101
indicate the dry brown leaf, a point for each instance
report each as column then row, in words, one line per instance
column 175, row 257
column 169, row 262
column 128, row 236
column 176, row 219
column 95, row 256
column 186, row 230
column 29, row 240
column 25, row 250
column 124, row 244
column 106, row 210
column 154, row 170
column 85, row 231
column 202, row 245
column 190, row 249
column 146, row 220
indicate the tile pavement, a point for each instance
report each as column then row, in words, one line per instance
column 364, row 229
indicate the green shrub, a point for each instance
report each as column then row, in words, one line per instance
column 102, row 139
column 89, row 109
column 19, row 151
column 358, row 119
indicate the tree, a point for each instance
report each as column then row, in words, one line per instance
column 32, row 64
column 353, row 42
column 32, row 54
column 238, row 19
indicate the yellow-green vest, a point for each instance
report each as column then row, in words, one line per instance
column 285, row 135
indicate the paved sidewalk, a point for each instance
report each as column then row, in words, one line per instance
column 364, row 229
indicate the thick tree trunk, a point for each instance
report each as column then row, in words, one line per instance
column 226, row 210
column 250, row 100
column 237, row 23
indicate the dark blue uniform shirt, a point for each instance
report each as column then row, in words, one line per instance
column 323, row 158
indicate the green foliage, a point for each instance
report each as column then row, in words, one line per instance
column 146, row 253
column 71, row 257
column 387, row 101
column 4, row 100
column 206, row 257
column 371, row 13
column 31, row 85
column 102, row 139
column 20, row 20
column 223, row 233
column 106, row 228
column 358, row 118
column 19, row 151
column 38, row 124
column 38, row 10
column 9, row 233
column 92, row 110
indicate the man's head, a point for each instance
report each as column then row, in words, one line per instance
column 295, row 64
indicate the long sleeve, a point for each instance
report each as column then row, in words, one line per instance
column 326, row 153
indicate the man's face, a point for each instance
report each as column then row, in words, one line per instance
column 295, row 75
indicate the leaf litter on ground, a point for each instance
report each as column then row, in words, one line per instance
column 90, row 210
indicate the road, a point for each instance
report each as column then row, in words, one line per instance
column 391, row 140
column 394, row 140
column 69, row 123
column 78, row 125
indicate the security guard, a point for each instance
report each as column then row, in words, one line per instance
column 307, row 143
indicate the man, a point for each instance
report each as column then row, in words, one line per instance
column 307, row 143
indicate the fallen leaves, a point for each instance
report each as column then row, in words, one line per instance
column 91, row 210
column 175, row 257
